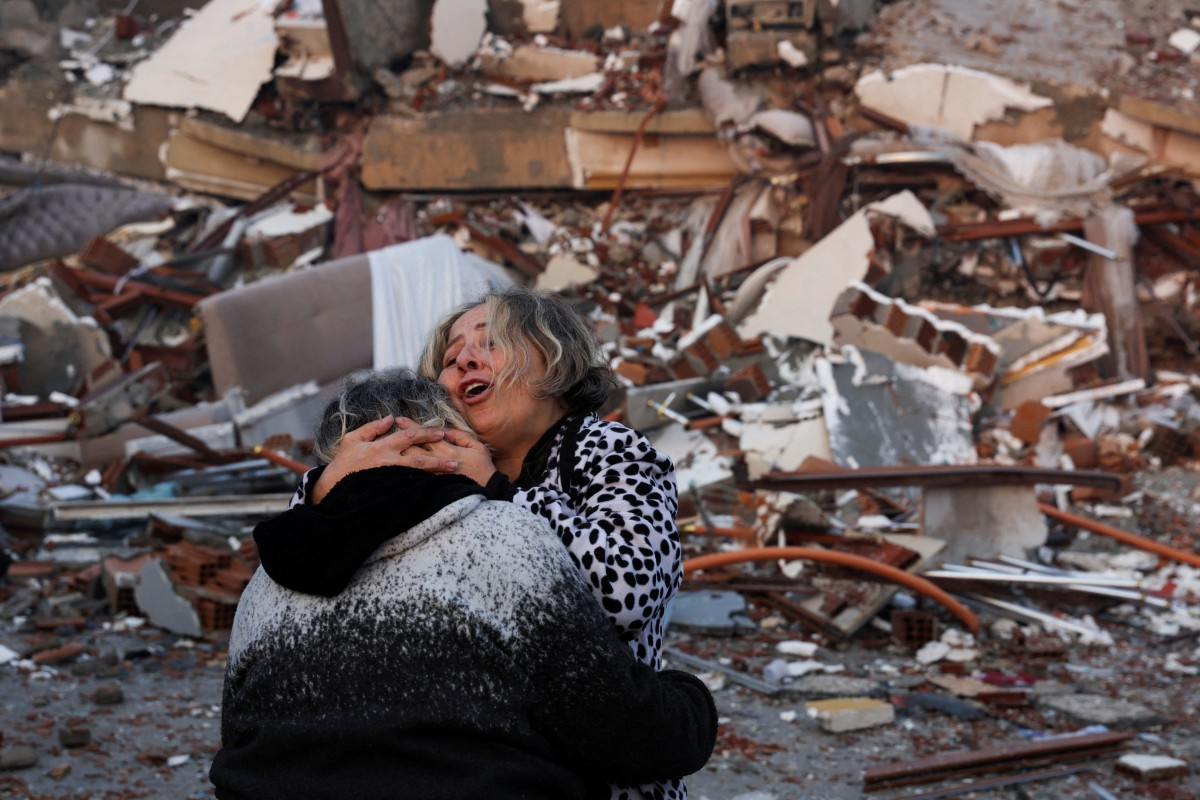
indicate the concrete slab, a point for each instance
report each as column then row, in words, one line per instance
column 710, row 613
column 850, row 713
column 156, row 596
column 983, row 521
column 1095, row 709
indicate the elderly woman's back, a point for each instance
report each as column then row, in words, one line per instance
column 466, row 659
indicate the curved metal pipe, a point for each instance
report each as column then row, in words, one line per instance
column 914, row 582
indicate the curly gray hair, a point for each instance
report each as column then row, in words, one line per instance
column 369, row 395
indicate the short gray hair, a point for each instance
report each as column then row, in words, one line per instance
column 369, row 395
column 576, row 369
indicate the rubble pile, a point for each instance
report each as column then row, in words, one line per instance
column 904, row 289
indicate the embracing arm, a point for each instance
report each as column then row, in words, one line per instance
column 609, row 716
column 316, row 549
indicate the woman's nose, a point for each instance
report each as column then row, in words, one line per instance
column 468, row 359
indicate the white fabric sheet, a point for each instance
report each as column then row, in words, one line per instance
column 413, row 285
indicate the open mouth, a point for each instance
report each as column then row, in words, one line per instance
column 475, row 389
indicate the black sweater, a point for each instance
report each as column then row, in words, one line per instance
column 466, row 659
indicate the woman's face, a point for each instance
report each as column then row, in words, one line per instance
column 509, row 419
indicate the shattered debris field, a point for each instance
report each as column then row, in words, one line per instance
column 906, row 290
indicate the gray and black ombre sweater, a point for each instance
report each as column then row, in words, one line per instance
column 467, row 659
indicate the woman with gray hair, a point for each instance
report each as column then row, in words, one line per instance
column 526, row 372
column 465, row 657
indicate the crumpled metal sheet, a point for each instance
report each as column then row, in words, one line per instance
column 52, row 221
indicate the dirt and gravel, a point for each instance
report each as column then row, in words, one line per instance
column 135, row 712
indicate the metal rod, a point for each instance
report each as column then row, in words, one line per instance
column 995, row 783
column 1046, row 619
column 227, row 505
column 1057, row 580
column 1084, row 244
column 742, row 678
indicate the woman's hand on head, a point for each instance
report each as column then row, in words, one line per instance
column 375, row 445
column 473, row 457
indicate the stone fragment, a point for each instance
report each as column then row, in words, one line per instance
column 17, row 757
column 833, row 686
column 72, row 736
column 1153, row 768
column 59, row 655
column 60, row 771
column 1095, row 709
column 850, row 713
column 108, row 694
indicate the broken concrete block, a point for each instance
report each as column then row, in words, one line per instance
column 850, row 713
column 783, row 448
column 17, row 757
column 946, row 96
column 869, row 319
column 1095, row 709
column 163, row 606
column 218, row 61
column 61, row 349
column 983, row 521
column 833, row 686
column 805, row 292
column 565, row 270
column 647, row 407
column 747, row 48
column 1153, row 768
column 879, row 412
column 711, row 613
column 529, row 63
column 457, row 28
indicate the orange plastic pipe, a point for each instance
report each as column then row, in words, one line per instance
column 914, row 582
column 1131, row 539
column 276, row 457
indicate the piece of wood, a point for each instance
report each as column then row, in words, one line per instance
column 474, row 149
column 661, row 162
column 1180, row 115
column 677, row 121
column 128, row 146
column 204, row 167
column 299, row 152
column 577, row 16
column 1109, row 287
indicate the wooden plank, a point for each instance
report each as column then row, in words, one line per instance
column 301, row 153
column 473, row 149
column 1109, row 287
column 1180, row 115
column 677, row 121
column 661, row 162
column 128, row 148
column 203, row 167
column 577, row 16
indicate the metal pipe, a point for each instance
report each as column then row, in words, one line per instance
column 914, row 582
column 1084, row 244
column 1131, row 539
column 1060, row 580
column 749, row 681
column 1048, row 620
column 275, row 457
